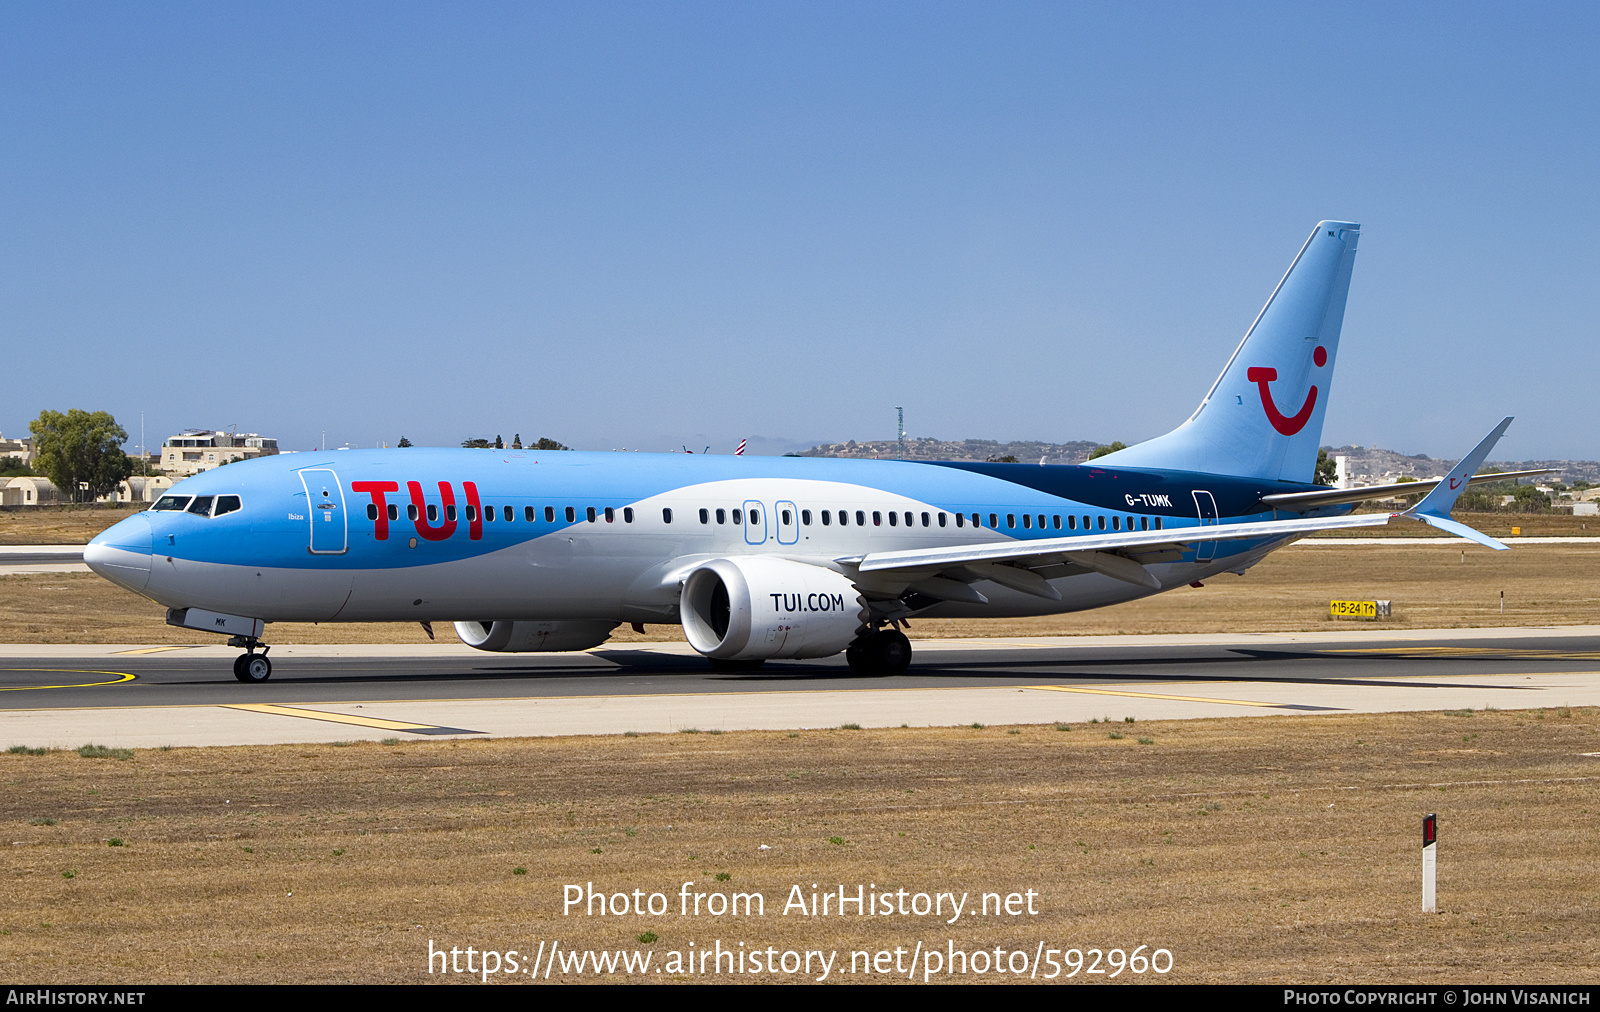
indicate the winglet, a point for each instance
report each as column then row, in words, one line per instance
column 1434, row 509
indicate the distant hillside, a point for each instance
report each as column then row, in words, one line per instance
column 1367, row 464
column 1027, row 451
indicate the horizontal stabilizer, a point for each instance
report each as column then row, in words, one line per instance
column 1301, row 502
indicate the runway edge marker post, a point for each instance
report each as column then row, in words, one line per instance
column 1430, row 847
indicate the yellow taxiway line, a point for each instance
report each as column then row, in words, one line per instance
column 1181, row 699
column 344, row 718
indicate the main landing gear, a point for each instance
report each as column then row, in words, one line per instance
column 251, row 666
column 880, row 652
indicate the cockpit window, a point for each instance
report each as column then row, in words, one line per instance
column 228, row 504
column 201, row 505
column 171, row 502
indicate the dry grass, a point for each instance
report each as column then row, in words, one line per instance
column 59, row 525
column 1430, row 585
column 1256, row 850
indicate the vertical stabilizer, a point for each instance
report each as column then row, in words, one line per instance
column 1263, row 415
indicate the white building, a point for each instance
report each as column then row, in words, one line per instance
column 29, row 491
column 194, row 450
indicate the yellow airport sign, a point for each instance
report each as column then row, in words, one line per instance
column 1358, row 609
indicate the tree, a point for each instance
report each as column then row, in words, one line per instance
column 1327, row 469
column 1101, row 451
column 403, row 442
column 548, row 444
column 499, row 444
column 475, row 444
column 516, row 441
column 81, row 448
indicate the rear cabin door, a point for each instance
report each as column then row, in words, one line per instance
column 1206, row 506
column 325, row 510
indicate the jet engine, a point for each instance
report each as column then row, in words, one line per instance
column 756, row 608
column 526, row 637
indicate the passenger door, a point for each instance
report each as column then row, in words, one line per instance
column 1206, row 507
column 325, row 510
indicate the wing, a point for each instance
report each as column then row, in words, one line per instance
column 1027, row 565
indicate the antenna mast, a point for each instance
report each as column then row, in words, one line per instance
column 900, row 414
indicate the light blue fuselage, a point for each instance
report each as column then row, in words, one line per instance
column 311, row 542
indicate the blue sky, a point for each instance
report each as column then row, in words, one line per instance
column 646, row 225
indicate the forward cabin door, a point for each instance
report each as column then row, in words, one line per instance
column 325, row 510
column 755, row 526
column 1206, row 507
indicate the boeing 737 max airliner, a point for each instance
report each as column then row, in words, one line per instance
column 768, row 557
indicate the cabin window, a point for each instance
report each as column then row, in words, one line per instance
column 1116, row 523
column 960, row 519
column 1144, row 523
column 372, row 511
column 941, row 519
column 394, row 511
column 1072, row 523
column 472, row 513
column 530, row 514
column 230, row 503
column 994, row 521
column 1041, row 521
column 1056, row 521
column 787, row 518
column 572, row 515
column 1087, row 523
column 433, row 513
column 877, row 519
column 450, row 512
column 666, row 514
column 894, row 519
column 1027, row 521
column 549, row 514
column 1100, row 522
column 926, row 520
column 611, row 515
column 508, row 514
column 627, row 514
column 705, row 516
column 1158, row 523
column 844, row 518
column 722, row 515
column 861, row 518
column 589, row 514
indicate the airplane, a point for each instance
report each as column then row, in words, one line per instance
column 763, row 558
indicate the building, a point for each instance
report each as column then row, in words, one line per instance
column 20, row 449
column 29, row 491
column 194, row 450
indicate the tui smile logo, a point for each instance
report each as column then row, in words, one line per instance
column 1288, row 425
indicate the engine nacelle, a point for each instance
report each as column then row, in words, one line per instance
column 757, row 608
column 526, row 637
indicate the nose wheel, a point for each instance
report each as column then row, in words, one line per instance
column 252, row 666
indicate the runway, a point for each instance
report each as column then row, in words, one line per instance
column 63, row 697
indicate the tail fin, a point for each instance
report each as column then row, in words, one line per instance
column 1263, row 415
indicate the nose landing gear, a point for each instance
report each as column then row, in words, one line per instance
column 251, row 666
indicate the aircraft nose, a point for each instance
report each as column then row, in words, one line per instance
column 121, row 553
